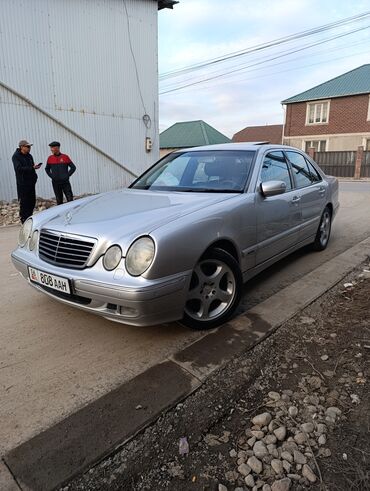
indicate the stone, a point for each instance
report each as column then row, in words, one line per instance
column 233, row 453
column 221, row 487
column 249, row 481
column 322, row 440
column 231, row 476
column 308, row 473
column 266, row 487
column 274, row 396
column 260, row 450
column 287, row 466
column 299, row 458
column 255, row 464
column 333, row 412
column 277, row 466
column 300, row 438
column 307, row 427
column 321, row 428
column 262, row 419
column 293, row 411
column 270, row 439
column 287, row 456
column 251, row 441
column 324, row 357
column 244, row 469
column 324, row 452
column 280, row 433
column 315, row 382
column 242, row 454
column 281, row 484
column 272, row 450
column 258, row 434
column 295, row 477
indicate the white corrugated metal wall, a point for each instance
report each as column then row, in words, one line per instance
column 72, row 60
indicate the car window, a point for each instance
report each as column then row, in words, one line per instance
column 301, row 173
column 200, row 171
column 315, row 176
column 275, row 168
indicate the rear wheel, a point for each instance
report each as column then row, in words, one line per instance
column 215, row 291
column 323, row 232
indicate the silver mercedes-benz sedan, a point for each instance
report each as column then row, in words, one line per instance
column 181, row 240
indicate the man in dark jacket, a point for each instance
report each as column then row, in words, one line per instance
column 26, row 177
column 59, row 168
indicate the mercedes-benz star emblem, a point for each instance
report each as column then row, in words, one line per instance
column 68, row 217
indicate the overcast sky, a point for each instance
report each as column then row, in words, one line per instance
column 198, row 30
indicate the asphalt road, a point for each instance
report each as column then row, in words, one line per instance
column 55, row 359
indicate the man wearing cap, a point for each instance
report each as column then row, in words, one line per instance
column 26, row 177
column 59, row 168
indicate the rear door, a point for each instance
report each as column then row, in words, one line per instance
column 312, row 191
column 278, row 217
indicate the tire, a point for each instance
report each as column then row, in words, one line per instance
column 323, row 232
column 215, row 291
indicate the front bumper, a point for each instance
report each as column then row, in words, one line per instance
column 117, row 297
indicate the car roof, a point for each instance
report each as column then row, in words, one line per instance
column 255, row 146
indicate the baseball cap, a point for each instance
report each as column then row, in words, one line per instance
column 24, row 143
column 54, row 144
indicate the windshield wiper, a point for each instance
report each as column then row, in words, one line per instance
column 213, row 190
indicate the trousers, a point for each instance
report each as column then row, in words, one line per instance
column 61, row 188
column 27, row 201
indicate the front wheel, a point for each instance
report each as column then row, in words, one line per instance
column 215, row 291
column 323, row 232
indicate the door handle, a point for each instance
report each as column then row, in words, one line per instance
column 296, row 199
column 322, row 190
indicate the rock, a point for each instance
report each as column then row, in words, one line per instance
column 266, row 487
column 239, row 489
column 255, row 464
column 300, row 438
column 295, row 477
column 231, row 476
column 285, row 398
column 280, row 433
column 272, row 450
column 281, row 485
column 307, row 427
column 324, row 357
column 321, row 428
column 293, row 411
column 315, row 382
column 287, row 466
column 277, row 466
column 322, row 440
column 233, row 453
column 333, row 412
column 324, row 452
column 251, row 441
column 299, row 458
column 242, row 454
column 270, row 439
column 274, row 396
column 289, row 446
column 258, row 434
column 287, row 456
column 244, row 469
column 221, row 487
column 260, row 449
column 308, row 473
column 262, row 419
column 249, row 481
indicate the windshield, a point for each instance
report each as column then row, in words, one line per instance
column 221, row 171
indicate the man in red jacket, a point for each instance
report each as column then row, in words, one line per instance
column 59, row 168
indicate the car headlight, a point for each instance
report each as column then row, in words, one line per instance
column 140, row 256
column 25, row 232
column 112, row 257
column 33, row 240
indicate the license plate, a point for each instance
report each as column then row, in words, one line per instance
column 49, row 280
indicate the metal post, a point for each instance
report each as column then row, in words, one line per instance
column 359, row 158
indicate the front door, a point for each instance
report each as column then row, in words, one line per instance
column 278, row 217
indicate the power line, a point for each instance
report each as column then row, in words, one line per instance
column 266, row 45
column 208, row 79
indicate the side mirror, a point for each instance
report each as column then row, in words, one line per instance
column 272, row 188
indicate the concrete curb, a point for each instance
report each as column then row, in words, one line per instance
column 70, row 447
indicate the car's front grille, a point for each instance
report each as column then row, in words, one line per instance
column 70, row 251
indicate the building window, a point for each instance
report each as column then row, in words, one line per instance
column 318, row 145
column 317, row 113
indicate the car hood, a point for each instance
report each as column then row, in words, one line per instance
column 127, row 213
